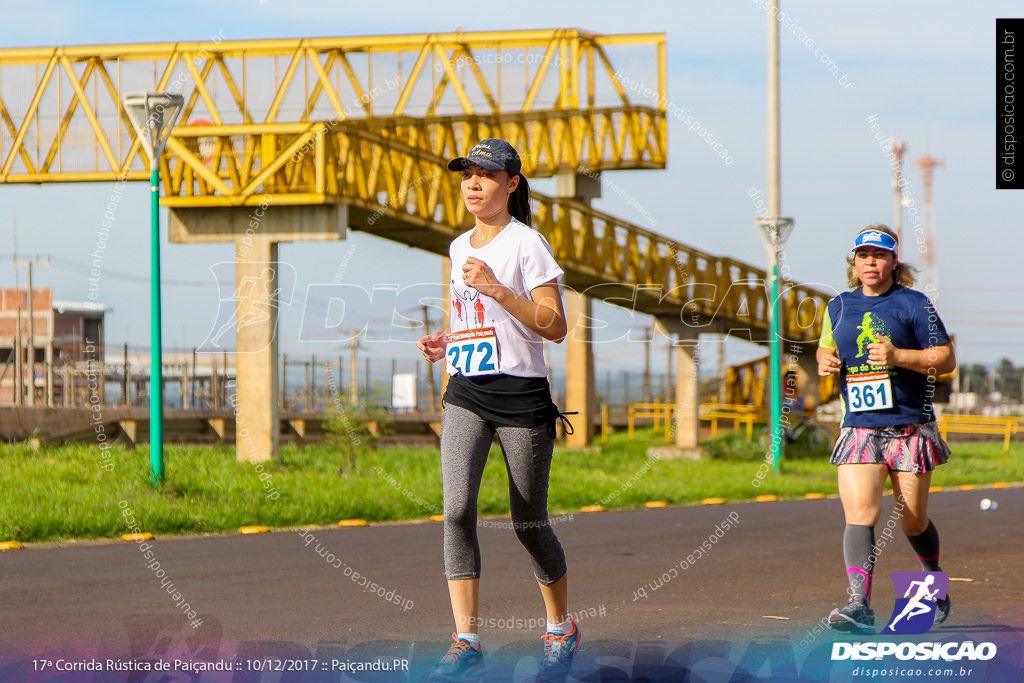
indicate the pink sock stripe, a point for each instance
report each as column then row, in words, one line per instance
column 934, row 557
column 867, row 577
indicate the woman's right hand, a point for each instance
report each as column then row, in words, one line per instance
column 828, row 361
column 433, row 345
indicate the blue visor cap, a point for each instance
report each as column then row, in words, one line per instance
column 875, row 238
column 492, row 154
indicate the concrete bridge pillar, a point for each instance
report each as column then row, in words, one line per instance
column 687, row 392
column 257, row 417
column 580, row 393
column 806, row 371
column 256, row 231
column 580, row 390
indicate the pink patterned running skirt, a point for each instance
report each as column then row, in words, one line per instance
column 913, row 448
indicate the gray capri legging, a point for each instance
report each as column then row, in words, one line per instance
column 465, row 441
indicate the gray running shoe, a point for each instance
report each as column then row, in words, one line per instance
column 856, row 617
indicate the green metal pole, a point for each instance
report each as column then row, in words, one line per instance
column 776, row 384
column 156, row 373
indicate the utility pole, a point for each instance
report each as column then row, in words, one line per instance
column 647, row 365
column 312, row 382
column 430, row 366
column 645, row 395
column 669, row 393
column 284, row 381
column 659, row 329
column 19, row 385
column 353, row 389
column 31, row 340
column 31, row 323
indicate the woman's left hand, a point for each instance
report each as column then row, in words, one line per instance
column 433, row 346
column 480, row 277
column 882, row 352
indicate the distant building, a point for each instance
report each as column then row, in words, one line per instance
column 60, row 333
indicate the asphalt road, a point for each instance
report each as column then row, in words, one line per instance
column 765, row 582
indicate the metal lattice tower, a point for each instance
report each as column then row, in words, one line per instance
column 930, row 274
column 898, row 148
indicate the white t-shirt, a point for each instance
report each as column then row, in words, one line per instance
column 522, row 260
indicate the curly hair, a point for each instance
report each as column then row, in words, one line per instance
column 903, row 274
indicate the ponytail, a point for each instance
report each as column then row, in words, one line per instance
column 519, row 202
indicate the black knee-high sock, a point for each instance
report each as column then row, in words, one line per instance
column 859, row 551
column 926, row 545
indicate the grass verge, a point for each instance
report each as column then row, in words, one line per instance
column 65, row 493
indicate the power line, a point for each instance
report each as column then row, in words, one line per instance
column 131, row 277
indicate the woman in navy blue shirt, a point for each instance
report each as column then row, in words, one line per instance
column 889, row 346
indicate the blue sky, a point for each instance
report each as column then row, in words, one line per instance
column 925, row 70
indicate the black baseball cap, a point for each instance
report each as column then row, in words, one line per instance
column 492, row 154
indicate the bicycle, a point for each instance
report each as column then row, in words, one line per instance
column 816, row 437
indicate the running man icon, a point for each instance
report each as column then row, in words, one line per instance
column 248, row 299
column 917, row 606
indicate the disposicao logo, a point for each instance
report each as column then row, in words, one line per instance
column 914, row 613
column 948, row 652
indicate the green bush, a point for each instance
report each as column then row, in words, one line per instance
column 354, row 428
column 733, row 445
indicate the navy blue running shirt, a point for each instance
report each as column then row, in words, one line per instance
column 909, row 320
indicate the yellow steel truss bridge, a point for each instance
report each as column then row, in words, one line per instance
column 368, row 122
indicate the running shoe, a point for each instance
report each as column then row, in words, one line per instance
column 559, row 650
column 942, row 607
column 856, row 617
column 462, row 662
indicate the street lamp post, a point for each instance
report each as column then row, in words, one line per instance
column 774, row 230
column 153, row 115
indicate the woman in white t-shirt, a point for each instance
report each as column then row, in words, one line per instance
column 504, row 303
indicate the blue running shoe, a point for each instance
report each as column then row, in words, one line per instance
column 462, row 662
column 559, row 650
column 942, row 608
